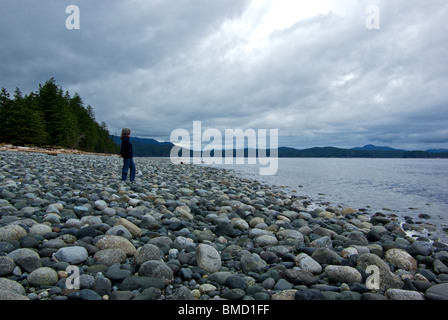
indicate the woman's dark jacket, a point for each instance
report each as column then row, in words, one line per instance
column 126, row 148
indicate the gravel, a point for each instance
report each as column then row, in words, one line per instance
column 183, row 232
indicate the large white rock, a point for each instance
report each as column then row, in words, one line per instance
column 72, row 255
column 305, row 262
column 343, row 274
column 100, row 205
column 111, row 241
column 208, row 258
column 12, row 232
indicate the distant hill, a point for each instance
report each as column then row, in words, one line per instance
column 371, row 147
column 146, row 147
column 369, row 151
column 437, row 150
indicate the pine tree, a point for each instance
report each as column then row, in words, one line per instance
column 50, row 117
column 48, row 104
column 36, row 123
column 77, row 107
column 18, row 120
column 6, row 105
column 65, row 122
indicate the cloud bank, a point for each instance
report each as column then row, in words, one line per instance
column 310, row 69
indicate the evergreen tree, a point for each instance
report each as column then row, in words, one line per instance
column 18, row 120
column 6, row 105
column 64, row 122
column 48, row 103
column 36, row 124
column 77, row 106
column 50, row 117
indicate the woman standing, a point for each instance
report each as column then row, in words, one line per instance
column 127, row 155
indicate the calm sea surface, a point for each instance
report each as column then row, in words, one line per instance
column 405, row 187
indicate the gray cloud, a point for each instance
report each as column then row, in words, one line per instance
column 322, row 80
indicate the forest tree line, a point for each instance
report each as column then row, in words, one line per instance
column 50, row 117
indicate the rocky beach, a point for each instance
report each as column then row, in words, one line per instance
column 194, row 232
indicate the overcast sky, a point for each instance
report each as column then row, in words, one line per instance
column 311, row 69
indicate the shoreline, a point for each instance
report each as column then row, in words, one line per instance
column 194, row 232
column 49, row 150
column 431, row 219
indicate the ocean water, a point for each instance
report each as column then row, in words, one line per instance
column 405, row 187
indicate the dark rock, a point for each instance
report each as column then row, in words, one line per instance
column 147, row 252
column 86, row 232
column 117, row 274
column 225, row 229
column 262, row 296
column 235, row 281
column 182, row 293
column 174, row 265
column 7, row 265
column 357, row 238
column 440, row 267
column 268, row 284
column 27, row 259
column 300, row 277
column 7, row 247
column 272, row 273
column 29, row 242
column 156, row 269
column 186, row 274
column 87, row 294
column 252, row 262
column 350, row 295
column 102, row 286
column 442, row 256
column 176, row 225
column 55, row 291
column 47, row 252
column 269, row 256
column 373, row 236
column 326, row 256
column 325, row 287
column 121, row 295
column 358, row 287
column 373, row 296
column 423, row 248
column 288, row 257
column 421, row 286
column 254, row 289
column 408, row 285
column 97, row 268
column 331, row 295
column 379, row 220
column 184, row 257
column 437, row 292
column 427, row 274
column 282, row 284
column 233, row 294
column 149, row 294
column 139, row 282
column 309, row 294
